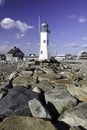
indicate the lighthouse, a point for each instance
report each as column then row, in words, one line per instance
column 44, row 42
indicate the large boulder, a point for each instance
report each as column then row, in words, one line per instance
column 77, row 116
column 25, row 123
column 3, row 92
column 79, row 92
column 12, row 75
column 48, row 70
column 24, row 79
column 44, row 85
column 23, row 65
column 16, row 101
column 38, row 109
column 27, row 72
column 44, row 76
column 57, row 82
column 60, row 99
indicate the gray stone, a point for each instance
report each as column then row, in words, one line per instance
column 75, row 128
column 77, row 116
column 44, row 76
column 22, row 65
column 3, row 92
column 38, row 71
column 13, row 75
column 59, row 82
column 44, row 86
column 37, row 90
column 38, row 110
column 16, row 102
column 60, row 98
column 27, row 73
column 80, row 92
column 25, row 123
column 23, row 80
column 48, row 70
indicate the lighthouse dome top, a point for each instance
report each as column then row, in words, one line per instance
column 44, row 24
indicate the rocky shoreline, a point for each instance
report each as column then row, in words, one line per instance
column 43, row 95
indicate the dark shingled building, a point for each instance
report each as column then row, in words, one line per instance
column 83, row 56
column 15, row 54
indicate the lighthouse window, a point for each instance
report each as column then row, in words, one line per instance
column 41, row 52
column 44, row 41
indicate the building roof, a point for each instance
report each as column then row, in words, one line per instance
column 15, row 51
column 2, row 54
column 68, row 55
column 84, row 53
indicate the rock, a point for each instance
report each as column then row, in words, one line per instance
column 76, row 116
column 59, row 82
column 75, row 128
column 48, row 70
column 44, row 76
column 83, row 83
column 77, row 76
column 3, row 85
column 12, row 75
column 23, row 80
column 6, row 86
column 38, row 71
column 6, row 68
column 77, row 91
column 37, row 90
column 67, row 75
column 22, row 65
column 3, row 92
column 16, row 101
column 44, row 85
column 25, row 123
column 60, row 99
column 27, row 73
column 38, row 110
column 32, row 62
column 62, row 66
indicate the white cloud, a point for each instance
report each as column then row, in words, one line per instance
column 84, row 38
column 8, row 23
column 6, row 42
column 28, row 44
column 84, row 46
column 2, row 2
column 82, row 19
column 22, row 26
column 79, row 53
column 15, row 44
column 71, row 45
column 4, row 48
column 63, row 33
column 19, row 35
column 72, row 16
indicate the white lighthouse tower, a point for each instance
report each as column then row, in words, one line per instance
column 44, row 42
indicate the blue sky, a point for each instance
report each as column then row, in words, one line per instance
column 67, row 21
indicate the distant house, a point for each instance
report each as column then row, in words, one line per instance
column 83, row 56
column 14, row 54
column 60, row 57
column 2, row 57
column 31, row 57
column 75, row 57
column 68, row 57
